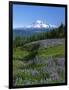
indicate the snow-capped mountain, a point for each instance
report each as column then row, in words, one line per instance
column 40, row 24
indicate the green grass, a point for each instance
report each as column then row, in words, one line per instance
column 19, row 53
column 46, row 52
column 52, row 51
column 19, row 66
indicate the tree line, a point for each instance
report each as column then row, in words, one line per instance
column 54, row 33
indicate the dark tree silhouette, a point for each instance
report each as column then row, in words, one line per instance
column 33, row 51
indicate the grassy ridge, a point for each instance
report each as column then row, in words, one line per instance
column 45, row 52
column 52, row 51
column 19, row 53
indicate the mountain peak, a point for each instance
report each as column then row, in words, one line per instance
column 40, row 24
column 39, row 21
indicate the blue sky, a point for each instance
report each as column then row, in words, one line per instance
column 24, row 15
